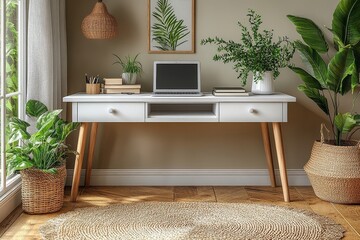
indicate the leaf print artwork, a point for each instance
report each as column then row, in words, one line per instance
column 169, row 31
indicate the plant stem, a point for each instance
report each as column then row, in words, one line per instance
column 329, row 115
column 336, row 110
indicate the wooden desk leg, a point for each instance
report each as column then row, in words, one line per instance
column 281, row 159
column 94, row 127
column 79, row 160
column 268, row 154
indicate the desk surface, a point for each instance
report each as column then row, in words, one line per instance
column 147, row 97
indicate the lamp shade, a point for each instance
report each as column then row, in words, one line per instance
column 99, row 24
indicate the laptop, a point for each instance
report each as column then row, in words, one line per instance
column 177, row 79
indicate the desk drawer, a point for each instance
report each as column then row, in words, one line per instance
column 111, row 112
column 251, row 112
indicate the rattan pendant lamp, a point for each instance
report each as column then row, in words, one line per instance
column 99, row 24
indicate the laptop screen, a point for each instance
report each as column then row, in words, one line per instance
column 176, row 76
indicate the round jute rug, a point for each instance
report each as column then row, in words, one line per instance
column 180, row 221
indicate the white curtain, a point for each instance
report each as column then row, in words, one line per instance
column 47, row 56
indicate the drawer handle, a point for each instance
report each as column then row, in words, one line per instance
column 111, row 110
column 251, row 110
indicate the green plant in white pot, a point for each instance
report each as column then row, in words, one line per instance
column 334, row 165
column 257, row 52
column 40, row 157
column 131, row 68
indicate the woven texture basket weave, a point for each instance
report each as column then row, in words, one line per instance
column 334, row 172
column 99, row 24
column 42, row 192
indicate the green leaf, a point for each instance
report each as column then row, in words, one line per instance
column 17, row 162
column 313, row 62
column 35, row 108
column 340, row 66
column 346, row 21
column 309, row 80
column 354, row 76
column 315, row 95
column 68, row 128
column 345, row 122
column 17, row 129
column 357, row 119
column 310, row 33
column 46, row 123
column 51, row 171
column 23, row 165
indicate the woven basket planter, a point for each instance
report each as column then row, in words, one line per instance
column 334, row 172
column 99, row 24
column 42, row 192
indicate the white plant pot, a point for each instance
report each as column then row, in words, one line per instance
column 129, row 78
column 264, row 84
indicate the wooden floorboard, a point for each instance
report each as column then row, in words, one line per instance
column 327, row 209
column 194, row 194
column 25, row 226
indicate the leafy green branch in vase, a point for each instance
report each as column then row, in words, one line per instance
column 168, row 31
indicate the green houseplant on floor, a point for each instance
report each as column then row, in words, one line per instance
column 131, row 68
column 257, row 52
column 334, row 165
column 40, row 157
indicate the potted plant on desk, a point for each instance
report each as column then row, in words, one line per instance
column 257, row 52
column 131, row 68
column 334, row 165
column 40, row 157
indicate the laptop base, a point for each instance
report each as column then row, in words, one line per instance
column 176, row 94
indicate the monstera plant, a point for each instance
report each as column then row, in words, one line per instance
column 334, row 165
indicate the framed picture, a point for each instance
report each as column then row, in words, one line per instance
column 171, row 26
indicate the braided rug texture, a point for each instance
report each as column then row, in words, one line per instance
column 182, row 221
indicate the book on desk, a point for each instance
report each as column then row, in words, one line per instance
column 230, row 91
column 114, row 85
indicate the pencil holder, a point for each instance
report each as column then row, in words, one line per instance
column 93, row 88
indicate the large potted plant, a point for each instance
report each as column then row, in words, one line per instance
column 131, row 68
column 334, row 165
column 257, row 52
column 40, row 157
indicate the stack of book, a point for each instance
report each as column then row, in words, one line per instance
column 229, row 91
column 114, row 85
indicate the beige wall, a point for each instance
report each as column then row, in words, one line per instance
column 190, row 145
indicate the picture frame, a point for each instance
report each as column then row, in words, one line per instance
column 179, row 17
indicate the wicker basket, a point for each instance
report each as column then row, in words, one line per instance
column 42, row 192
column 334, row 172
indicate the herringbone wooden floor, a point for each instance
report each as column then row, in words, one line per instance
column 24, row 226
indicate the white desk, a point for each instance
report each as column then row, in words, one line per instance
column 208, row 108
